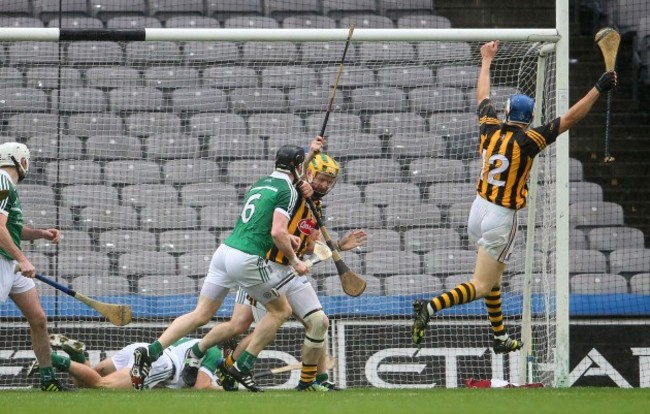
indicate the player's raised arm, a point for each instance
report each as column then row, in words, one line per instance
column 580, row 109
column 488, row 51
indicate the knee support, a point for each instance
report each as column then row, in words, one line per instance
column 316, row 329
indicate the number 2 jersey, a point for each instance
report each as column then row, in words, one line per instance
column 507, row 153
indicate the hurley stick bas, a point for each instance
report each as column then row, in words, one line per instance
column 608, row 41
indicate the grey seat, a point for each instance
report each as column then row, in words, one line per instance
column 539, row 283
column 113, row 147
column 405, row 76
column 170, row 77
column 439, row 52
column 427, row 239
column 390, row 123
column 338, row 8
column 249, row 100
column 76, row 22
column 412, row 285
column 94, row 53
column 308, row 21
column 587, row 261
column 47, row 77
column 385, row 263
column 575, row 170
column 614, row 238
column 168, row 285
column 423, row 22
column 139, row 264
column 172, row 146
column 628, row 261
column 105, row 9
column 196, row 52
column 109, row 77
column 246, row 172
column 385, row 53
column 17, row 8
column 135, row 99
column 108, row 217
column 85, row 125
column 101, row 285
column 251, row 22
column 75, row 100
column 454, row 124
column 89, row 195
column 125, row 241
column 133, row 22
column 194, row 264
column 583, row 191
column 191, row 22
column 372, row 170
column 220, row 216
column 449, row 262
column 188, row 171
column 47, row 9
column 71, row 241
column 345, row 193
column 446, row 194
column 189, row 100
column 640, row 284
column 22, row 100
column 221, row 9
column 33, row 53
column 168, row 218
column 327, row 268
column 11, row 78
column 367, row 21
column 458, row 214
column 34, row 193
column 269, row 53
column 267, row 124
column 143, row 124
column 207, row 194
column 275, row 141
column 41, row 262
column 288, row 77
column 352, row 76
column 326, row 53
column 153, row 53
column 457, row 76
column 594, row 213
column 437, row 99
column 20, row 21
column 230, row 77
column 377, row 99
column 382, row 240
column 52, row 147
column 332, row 286
column 313, row 99
column 577, row 239
column 344, row 146
column 340, row 123
column 395, row 8
column 142, row 195
column 405, row 215
column 164, row 9
column 598, row 283
column 73, row 172
column 413, row 146
column 353, row 216
column 436, row 170
column 129, row 172
column 279, row 9
column 187, row 241
column 384, row 194
column 74, row 264
column 47, row 216
column 234, row 146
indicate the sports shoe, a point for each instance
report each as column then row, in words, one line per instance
column 420, row 320
column 314, row 386
column 71, row 347
column 245, row 379
column 53, row 385
column 140, row 368
column 191, row 367
column 509, row 345
column 32, row 368
column 227, row 382
column 330, row 386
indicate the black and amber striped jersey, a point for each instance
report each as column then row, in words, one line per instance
column 301, row 224
column 507, row 153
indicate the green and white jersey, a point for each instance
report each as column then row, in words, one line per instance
column 11, row 208
column 177, row 352
column 252, row 233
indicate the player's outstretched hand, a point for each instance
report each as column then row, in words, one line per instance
column 489, row 49
column 607, row 81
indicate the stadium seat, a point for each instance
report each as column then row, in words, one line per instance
column 125, row 241
column 11, row 78
column 208, row 194
column 23, row 100
column 388, row 263
column 385, row 53
column 384, row 194
column 396, row 8
column 164, row 9
column 427, row 239
column 53, row 147
column 405, row 215
column 38, row 194
column 33, row 53
column 143, row 124
column 577, row 239
column 172, row 146
column 440, row 52
column 640, row 284
column 587, row 261
column 94, row 53
column 135, row 99
column 250, row 100
column 251, row 22
column 614, row 238
column 113, row 147
column 187, row 241
column 412, row 285
column 458, row 215
column 339, row 8
column 188, row 171
column 437, row 99
column 220, row 216
column 382, row 240
column 332, row 286
column 405, row 76
column 423, row 22
column 308, row 21
column 153, row 53
column 108, row 217
column 143, row 195
column 47, row 216
column 327, row 268
column 171, row 77
column 76, row 22
column 133, row 22
column 48, row 9
column 88, row 124
column 71, row 241
column 101, row 285
column 344, row 193
column 47, row 77
column 288, row 77
column 413, row 146
column 313, row 99
column 340, row 123
column 598, row 283
column 279, row 9
column 230, row 77
column 326, row 53
column 351, row 77
column 436, row 170
column 166, row 286
column 74, row 264
column 139, row 264
column 454, row 124
column 583, row 191
column 16, row 8
column 192, row 22
column 74, row 100
column 195, row 264
column 216, row 124
column 132, row 172
column 269, row 53
column 352, row 216
column 366, row 21
column 106, row 9
column 377, row 99
column 222, row 9
column 168, row 218
column 235, row 146
column 390, row 123
column 89, row 195
column 629, row 261
column 268, row 124
column 591, row 214
column 372, row 170
column 20, row 21
column 344, row 146
column 73, row 172
column 246, row 172
column 196, row 52
column 449, row 262
column 446, row 194
column 109, row 77
column 539, row 283
column 457, row 76
column 189, row 100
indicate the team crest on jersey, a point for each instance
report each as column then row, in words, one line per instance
column 306, row 226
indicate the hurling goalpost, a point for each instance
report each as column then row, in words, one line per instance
column 535, row 61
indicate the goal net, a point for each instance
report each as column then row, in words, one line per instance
column 141, row 152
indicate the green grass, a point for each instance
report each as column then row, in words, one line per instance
column 366, row 401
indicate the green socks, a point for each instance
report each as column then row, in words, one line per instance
column 155, row 350
column 60, row 362
column 246, row 361
column 322, row 377
column 196, row 351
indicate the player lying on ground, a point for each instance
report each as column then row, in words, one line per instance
column 113, row 372
column 507, row 150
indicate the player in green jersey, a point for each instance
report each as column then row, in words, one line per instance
column 14, row 165
column 240, row 262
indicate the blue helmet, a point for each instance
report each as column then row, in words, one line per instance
column 519, row 108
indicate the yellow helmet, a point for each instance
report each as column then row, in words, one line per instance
column 326, row 165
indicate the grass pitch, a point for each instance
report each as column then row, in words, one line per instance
column 357, row 401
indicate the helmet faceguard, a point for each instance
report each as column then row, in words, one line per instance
column 324, row 165
column 14, row 154
column 519, row 109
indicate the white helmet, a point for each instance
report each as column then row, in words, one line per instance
column 12, row 154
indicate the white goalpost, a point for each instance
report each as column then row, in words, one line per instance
column 144, row 141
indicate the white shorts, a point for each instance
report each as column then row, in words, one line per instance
column 11, row 281
column 231, row 268
column 162, row 370
column 493, row 227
